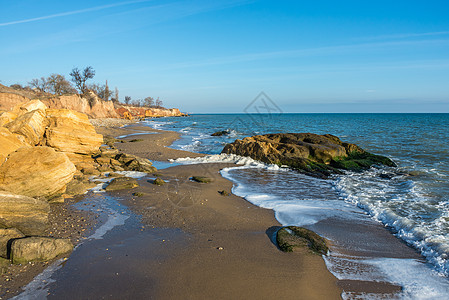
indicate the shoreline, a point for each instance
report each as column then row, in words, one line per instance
column 229, row 235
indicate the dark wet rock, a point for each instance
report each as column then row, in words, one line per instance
column 223, row 193
column 201, row 179
column 138, row 194
column 220, row 133
column 79, row 186
column 135, row 140
column 27, row 214
column 387, row 175
column 38, row 249
column 135, row 163
column 292, row 237
column 6, row 235
column 312, row 154
column 122, row 183
column 159, row 181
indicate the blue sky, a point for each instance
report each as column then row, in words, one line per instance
column 217, row 56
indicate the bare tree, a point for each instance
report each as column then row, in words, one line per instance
column 158, row 102
column 116, row 94
column 149, row 101
column 127, row 99
column 40, row 84
column 59, row 85
column 107, row 92
column 80, row 78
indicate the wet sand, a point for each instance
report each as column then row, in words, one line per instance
column 226, row 243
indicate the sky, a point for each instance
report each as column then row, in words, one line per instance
column 218, row 56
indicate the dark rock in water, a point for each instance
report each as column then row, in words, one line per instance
column 387, row 175
column 159, row 181
column 312, row 154
column 122, row 183
column 292, row 237
column 201, row 179
column 223, row 193
column 220, row 133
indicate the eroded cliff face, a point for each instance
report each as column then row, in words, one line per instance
column 97, row 108
column 130, row 112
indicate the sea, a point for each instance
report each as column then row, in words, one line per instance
column 385, row 224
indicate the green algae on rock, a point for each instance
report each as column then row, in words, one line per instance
column 292, row 237
column 312, row 154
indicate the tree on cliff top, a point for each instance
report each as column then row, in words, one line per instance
column 59, row 85
column 80, row 78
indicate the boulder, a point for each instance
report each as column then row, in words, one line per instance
column 291, row 238
column 38, row 249
column 122, row 183
column 28, row 106
column 36, row 172
column 9, row 143
column 28, row 215
column 134, row 163
column 31, row 125
column 71, row 131
column 7, row 117
column 313, row 154
column 7, row 234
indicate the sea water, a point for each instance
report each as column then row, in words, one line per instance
column 411, row 200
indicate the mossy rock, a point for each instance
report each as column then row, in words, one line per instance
column 122, row 183
column 201, row 179
column 158, row 181
column 136, row 140
column 359, row 161
column 138, row 194
column 223, row 193
column 292, row 237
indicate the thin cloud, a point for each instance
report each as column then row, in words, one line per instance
column 406, row 35
column 75, row 12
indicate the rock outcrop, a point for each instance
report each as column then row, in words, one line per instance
column 31, row 125
column 28, row 215
column 9, row 142
column 37, row 249
column 36, row 172
column 318, row 155
column 129, row 112
column 70, row 131
column 7, row 117
column 93, row 107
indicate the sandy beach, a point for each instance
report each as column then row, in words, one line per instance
column 229, row 251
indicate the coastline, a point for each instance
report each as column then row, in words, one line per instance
column 230, row 252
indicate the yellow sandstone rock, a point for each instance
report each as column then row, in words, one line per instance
column 71, row 131
column 36, row 172
column 31, row 125
column 9, row 143
column 7, row 117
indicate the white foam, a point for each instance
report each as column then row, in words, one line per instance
column 37, row 289
column 226, row 158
